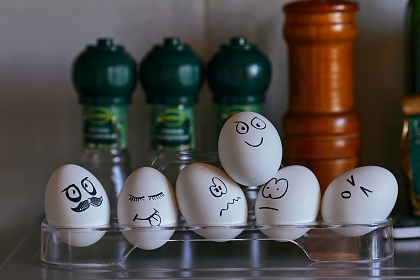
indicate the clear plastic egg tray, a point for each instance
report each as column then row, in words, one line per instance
column 322, row 241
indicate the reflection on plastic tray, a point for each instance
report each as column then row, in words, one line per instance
column 322, row 241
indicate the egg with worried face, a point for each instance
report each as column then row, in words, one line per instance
column 291, row 197
column 250, row 148
column 74, row 198
column 360, row 196
column 147, row 203
column 208, row 197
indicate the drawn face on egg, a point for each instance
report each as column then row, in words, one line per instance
column 219, row 190
column 272, row 191
column 250, row 148
column 252, row 139
column 362, row 195
column 208, row 196
column 76, row 197
column 82, row 197
column 146, row 200
column 346, row 194
column 149, row 214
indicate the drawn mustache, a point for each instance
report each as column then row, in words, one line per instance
column 85, row 204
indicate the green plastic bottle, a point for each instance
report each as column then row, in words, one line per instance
column 171, row 75
column 238, row 75
column 104, row 76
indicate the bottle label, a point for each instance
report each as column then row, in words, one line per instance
column 105, row 127
column 173, row 129
column 414, row 138
column 227, row 111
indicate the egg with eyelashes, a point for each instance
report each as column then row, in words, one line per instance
column 74, row 198
column 147, row 204
column 250, row 148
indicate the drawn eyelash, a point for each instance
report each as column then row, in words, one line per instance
column 156, row 196
column 136, row 198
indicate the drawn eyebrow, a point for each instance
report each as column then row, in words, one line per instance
column 156, row 196
column 136, row 198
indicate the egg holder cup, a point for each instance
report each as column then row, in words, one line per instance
column 330, row 242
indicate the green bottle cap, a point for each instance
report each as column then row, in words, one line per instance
column 104, row 74
column 171, row 74
column 238, row 73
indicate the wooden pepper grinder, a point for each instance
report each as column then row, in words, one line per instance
column 321, row 127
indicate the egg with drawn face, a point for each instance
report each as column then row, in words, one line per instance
column 360, row 196
column 74, row 198
column 147, row 203
column 250, row 148
column 208, row 197
column 290, row 198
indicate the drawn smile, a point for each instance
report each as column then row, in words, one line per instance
column 259, row 144
column 269, row 208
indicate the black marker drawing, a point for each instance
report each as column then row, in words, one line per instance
column 347, row 194
column 258, row 123
column 256, row 145
column 277, row 191
column 136, row 198
column 365, row 191
column 269, row 208
column 241, row 127
column 154, row 219
column 351, row 181
column 227, row 205
column 156, row 196
column 74, row 194
column 218, row 188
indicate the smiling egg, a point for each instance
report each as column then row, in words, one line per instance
column 291, row 197
column 250, row 148
column 360, row 196
column 75, row 199
column 147, row 203
column 208, row 197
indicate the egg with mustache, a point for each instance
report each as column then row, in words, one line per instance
column 208, row 197
column 74, row 198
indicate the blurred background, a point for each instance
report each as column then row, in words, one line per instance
column 41, row 126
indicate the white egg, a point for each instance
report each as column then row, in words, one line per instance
column 250, row 148
column 291, row 197
column 147, row 202
column 208, row 197
column 74, row 198
column 363, row 195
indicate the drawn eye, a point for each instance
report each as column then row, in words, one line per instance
column 218, row 188
column 136, row 198
column 73, row 193
column 241, row 127
column 88, row 186
column 258, row 123
column 156, row 196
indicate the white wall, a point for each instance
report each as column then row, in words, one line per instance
column 41, row 120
